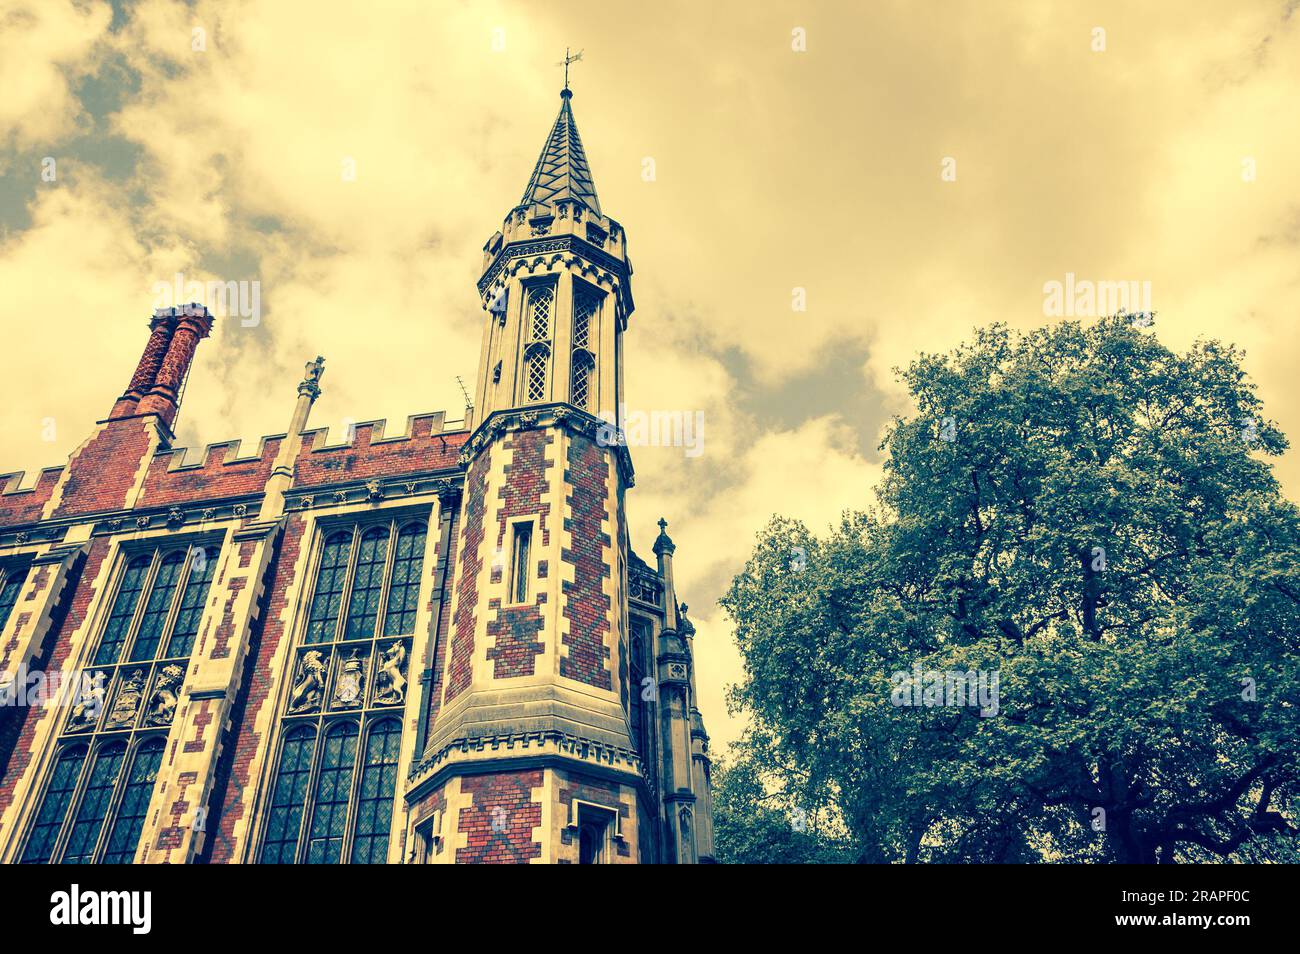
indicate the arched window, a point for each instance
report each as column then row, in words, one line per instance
column 103, row 823
column 336, row 784
column 583, row 371
column 404, row 587
column 157, row 606
column 541, row 299
column 190, row 612
column 284, row 820
column 333, row 792
column 123, row 614
column 368, row 583
column 125, row 834
column 84, row 834
column 97, row 797
column 54, row 807
column 536, row 360
column 378, row 787
column 327, row 603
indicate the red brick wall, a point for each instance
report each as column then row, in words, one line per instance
column 501, row 820
column 214, row 480
column 514, row 628
column 460, row 670
column 102, row 473
column 25, row 506
column 422, row 451
column 586, row 605
column 84, row 593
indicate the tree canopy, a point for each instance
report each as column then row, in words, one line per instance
column 1087, row 523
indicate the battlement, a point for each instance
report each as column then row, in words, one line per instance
column 20, row 504
column 424, row 445
column 176, row 476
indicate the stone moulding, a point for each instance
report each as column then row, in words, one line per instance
column 500, row 423
column 577, row 752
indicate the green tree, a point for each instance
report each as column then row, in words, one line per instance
column 1091, row 517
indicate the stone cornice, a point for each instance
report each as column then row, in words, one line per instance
column 519, row 252
column 500, row 423
column 542, row 747
column 197, row 514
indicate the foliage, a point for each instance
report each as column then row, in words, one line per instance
column 1090, row 516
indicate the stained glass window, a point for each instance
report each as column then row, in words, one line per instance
column 378, row 786
column 11, row 584
column 192, row 600
column 157, row 606
column 123, row 614
column 368, row 584
column 327, row 603
column 337, row 778
column 84, row 834
column 125, row 835
column 284, row 819
column 93, row 810
column 333, row 792
column 54, row 807
column 404, row 591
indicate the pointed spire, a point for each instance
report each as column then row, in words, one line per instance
column 562, row 171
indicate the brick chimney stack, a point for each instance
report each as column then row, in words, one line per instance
column 174, row 333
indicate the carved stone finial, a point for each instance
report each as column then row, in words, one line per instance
column 310, row 384
column 663, row 542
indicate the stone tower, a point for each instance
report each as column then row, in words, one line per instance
column 531, row 738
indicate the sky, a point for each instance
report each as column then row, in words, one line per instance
column 813, row 194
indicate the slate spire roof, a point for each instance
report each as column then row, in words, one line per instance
column 562, row 171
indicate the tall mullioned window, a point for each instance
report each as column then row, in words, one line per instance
column 537, row 348
column 97, row 795
column 336, row 777
column 586, row 308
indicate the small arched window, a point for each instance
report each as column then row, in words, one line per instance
column 535, row 366
column 580, row 387
column 541, row 299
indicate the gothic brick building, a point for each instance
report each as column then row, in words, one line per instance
column 430, row 647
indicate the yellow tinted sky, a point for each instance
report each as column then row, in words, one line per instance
column 774, row 168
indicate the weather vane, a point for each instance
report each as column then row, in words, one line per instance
column 567, row 60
